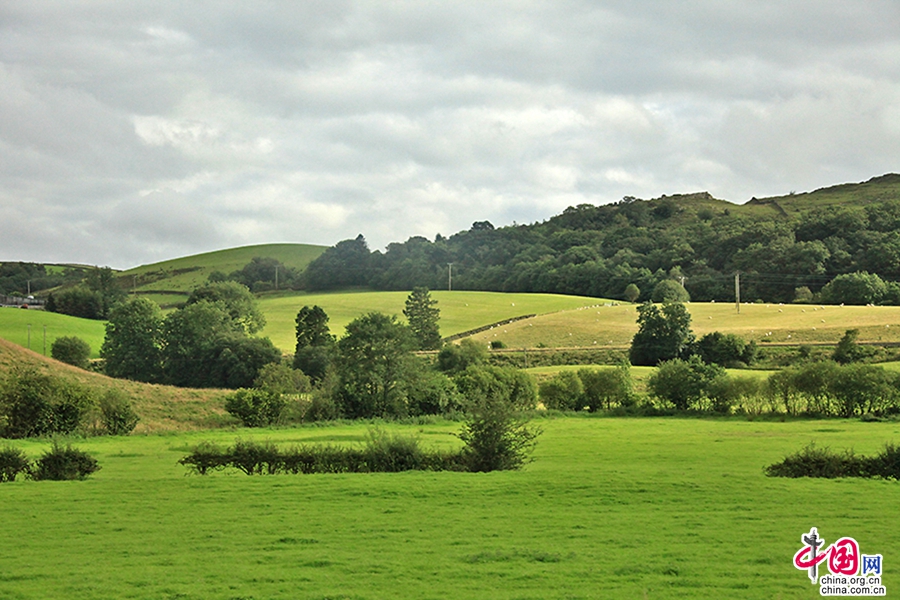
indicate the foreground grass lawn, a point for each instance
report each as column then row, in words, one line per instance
column 627, row 508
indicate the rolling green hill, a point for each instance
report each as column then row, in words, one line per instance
column 460, row 311
column 184, row 274
column 16, row 324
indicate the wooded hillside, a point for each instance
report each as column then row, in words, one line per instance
column 777, row 244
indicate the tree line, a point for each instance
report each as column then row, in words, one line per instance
column 634, row 245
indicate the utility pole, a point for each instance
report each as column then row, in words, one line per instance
column 276, row 277
column 737, row 291
column 45, row 340
column 449, row 277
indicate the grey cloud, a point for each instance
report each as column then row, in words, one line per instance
column 137, row 132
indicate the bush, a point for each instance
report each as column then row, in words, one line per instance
column 822, row 462
column 255, row 408
column 607, row 387
column 253, row 458
column 35, row 404
column 431, row 392
column 669, row 290
column 725, row 349
column 683, row 383
column 496, row 437
column 116, row 413
column 62, row 464
column 71, row 350
column 205, row 457
column 390, row 453
column 564, row 391
column 12, row 462
column 279, row 378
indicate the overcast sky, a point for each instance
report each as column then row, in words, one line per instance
column 133, row 132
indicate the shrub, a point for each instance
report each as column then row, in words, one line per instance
column 389, row 453
column 279, row 378
column 726, row 392
column 431, row 392
column 255, row 408
column 71, row 350
column 885, row 464
column 34, row 404
column 116, row 413
column 62, row 464
column 205, row 457
column 669, row 290
column 726, row 349
column 496, row 437
column 12, row 462
column 563, row 391
column 254, row 458
column 683, row 383
column 607, row 387
column 817, row 462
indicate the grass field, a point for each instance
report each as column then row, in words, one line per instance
column 610, row 508
column 14, row 327
column 184, row 274
column 460, row 311
column 615, row 324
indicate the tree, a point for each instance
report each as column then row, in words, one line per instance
column 71, row 350
column 455, row 358
column 726, row 349
column 662, row 334
column 236, row 300
column 191, row 335
column 854, row 288
column 632, row 292
column 315, row 344
column 373, row 360
column 607, row 387
column 132, row 346
column 562, row 392
column 669, row 290
column 683, row 382
column 848, row 350
column 423, row 318
column 79, row 301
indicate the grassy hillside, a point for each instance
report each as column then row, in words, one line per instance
column 184, row 274
column 460, row 311
column 615, row 325
column 877, row 189
column 14, row 327
column 161, row 408
column 610, row 508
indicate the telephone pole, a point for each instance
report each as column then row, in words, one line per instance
column 449, row 277
column 737, row 291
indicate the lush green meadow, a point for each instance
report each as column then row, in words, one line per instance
column 460, row 311
column 184, row 274
column 14, row 327
column 629, row 508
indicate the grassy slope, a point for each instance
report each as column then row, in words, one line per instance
column 14, row 324
column 460, row 311
column 610, row 508
column 198, row 267
column 161, row 408
column 615, row 325
column 885, row 187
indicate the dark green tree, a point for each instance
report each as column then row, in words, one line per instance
column 423, row 318
column 237, row 301
column 854, row 288
column 632, row 292
column 71, row 350
column 132, row 346
column 684, row 383
column 662, row 334
column 373, row 361
column 315, row 345
column 848, row 349
column 669, row 290
column 455, row 358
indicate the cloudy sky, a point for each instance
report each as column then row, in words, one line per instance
column 132, row 132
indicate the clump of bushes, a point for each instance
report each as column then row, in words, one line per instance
column 59, row 463
column 383, row 453
column 12, row 463
column 34, row 403
column 71, row 350
column 823, row 462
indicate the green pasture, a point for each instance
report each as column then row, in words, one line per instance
column 610, row 508
column 184, row 274
column 614, row 324
column 14, row 327
column 460, row 311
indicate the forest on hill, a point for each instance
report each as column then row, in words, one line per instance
column 785, row 248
